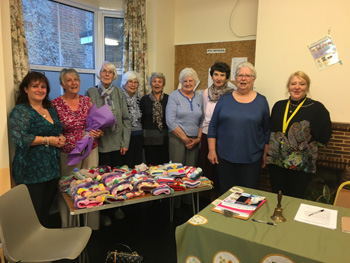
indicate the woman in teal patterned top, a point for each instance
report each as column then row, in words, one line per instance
column 37, row 134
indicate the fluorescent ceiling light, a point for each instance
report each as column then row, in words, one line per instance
column 111, row 42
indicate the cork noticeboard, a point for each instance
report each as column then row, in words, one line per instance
column 195, row 56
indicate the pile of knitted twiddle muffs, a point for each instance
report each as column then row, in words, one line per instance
column 103, row 185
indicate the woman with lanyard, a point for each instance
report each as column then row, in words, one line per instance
column 299, row 126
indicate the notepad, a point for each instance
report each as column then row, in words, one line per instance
column 318, row 216
column 241, row 205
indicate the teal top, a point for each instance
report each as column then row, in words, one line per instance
column 34, row 164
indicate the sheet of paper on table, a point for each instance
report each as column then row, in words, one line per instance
column 318, row 216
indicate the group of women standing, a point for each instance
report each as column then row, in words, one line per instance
column 243, row 137
column 228, row 132
column 46, row 132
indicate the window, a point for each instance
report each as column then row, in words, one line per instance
column 114, row 40
column 61, row 36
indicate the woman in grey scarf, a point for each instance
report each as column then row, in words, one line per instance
column 155, row 130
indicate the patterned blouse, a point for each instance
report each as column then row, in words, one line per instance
column 74, row 122
column 34, row 164
column 310, row 128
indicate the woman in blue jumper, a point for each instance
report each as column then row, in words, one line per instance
column 239, row 131
column 184, row 119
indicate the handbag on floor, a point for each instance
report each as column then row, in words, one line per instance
column 120, row 256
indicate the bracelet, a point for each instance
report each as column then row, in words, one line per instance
column 47, row 142
column 43, row 140
column 199, row 137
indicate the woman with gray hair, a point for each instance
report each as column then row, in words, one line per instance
column 130, row 86
column 155, row 130
column 73, row 110
column 115, row 142
column 184, row 118
column 239, row 132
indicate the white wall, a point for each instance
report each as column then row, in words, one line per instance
column 161, row 33
column 204, row 21
column 285, row 28
column 5, row 92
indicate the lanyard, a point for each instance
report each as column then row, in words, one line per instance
column 285, row 121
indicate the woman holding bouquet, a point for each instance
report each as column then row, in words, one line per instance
column 114, row 145
column 73, row 110
column 115, row 142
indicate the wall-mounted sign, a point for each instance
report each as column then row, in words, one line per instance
column 324, row 52
column 216, row 50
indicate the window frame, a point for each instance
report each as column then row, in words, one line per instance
column 100, row 33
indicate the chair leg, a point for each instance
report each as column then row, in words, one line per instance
column 193, row 204
column 2, row 259
column 172, row 202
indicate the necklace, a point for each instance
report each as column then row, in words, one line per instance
column 40, row 112
column 292, row 107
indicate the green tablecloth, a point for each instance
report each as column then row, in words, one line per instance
column 222, row 239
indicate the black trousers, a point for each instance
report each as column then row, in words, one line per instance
column 290, row 182
column 157, row 154
column 43, row 195
column 134, row 154
column 111, row 159
column 238, row 174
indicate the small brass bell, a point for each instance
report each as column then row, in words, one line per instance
column 277, row 215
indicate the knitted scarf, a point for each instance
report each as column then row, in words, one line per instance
column 133, row 107
column 214, row 93
column 157, row 110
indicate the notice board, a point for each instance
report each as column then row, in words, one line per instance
column 195, row 56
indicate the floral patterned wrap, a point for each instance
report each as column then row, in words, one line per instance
column 295, row 152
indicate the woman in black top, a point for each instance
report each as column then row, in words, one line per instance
column 299, row 125
column 155, row 130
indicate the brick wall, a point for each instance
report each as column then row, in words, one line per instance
column 53, row 33
column 337, row 153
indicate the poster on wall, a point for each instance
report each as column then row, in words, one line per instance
column 324, row 52
column 234, row 63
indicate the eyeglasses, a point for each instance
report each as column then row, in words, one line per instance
column 240, row 76
column 135, row 82
column 105, row 71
